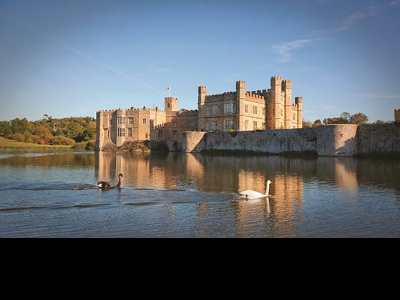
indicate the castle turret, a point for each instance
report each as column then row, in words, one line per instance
column 201, row 103
column 241, row 100
column 287, row 91
column 277, row 103
column 299, row 104
column 171, row 104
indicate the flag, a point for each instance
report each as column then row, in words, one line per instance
column 169, row 88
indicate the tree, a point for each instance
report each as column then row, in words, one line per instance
column 359, row 119
column 5, row 128
column 43, row 133
column 307, row 124
column 317, row 123
column 20, row 126
column 347, row 118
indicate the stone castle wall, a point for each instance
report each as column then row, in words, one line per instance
column 377, row 139
column 325, row 140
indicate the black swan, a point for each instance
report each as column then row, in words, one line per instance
column 105, row 185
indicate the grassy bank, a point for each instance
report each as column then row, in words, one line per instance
column 6, row 144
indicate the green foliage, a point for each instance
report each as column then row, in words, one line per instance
column 65, row 131
column 307, row 124
column 347, row 118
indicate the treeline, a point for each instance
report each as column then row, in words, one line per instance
column 344, row 118
column 77, row 132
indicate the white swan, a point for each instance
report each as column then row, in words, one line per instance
column 249, row 194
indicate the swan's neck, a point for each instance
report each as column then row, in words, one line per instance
column 267, row 190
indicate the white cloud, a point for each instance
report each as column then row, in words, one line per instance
column 395, row 4
column 357, row 16
column 285, row 50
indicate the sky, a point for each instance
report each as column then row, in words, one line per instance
column 72, row 58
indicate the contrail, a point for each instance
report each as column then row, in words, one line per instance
column 77, row 52
column 39, row 32
column 285, row 50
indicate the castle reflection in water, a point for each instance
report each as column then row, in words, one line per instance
column 228, row 174
column 319, row 190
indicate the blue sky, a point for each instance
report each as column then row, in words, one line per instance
column 73, row 58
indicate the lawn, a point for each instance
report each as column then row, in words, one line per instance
column 6, row 143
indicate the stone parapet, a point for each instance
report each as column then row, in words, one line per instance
column 326, row 140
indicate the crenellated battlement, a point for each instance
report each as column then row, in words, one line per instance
column 132, row 109
column 259, row 92
column 287, row 84
column 104, row 111
column 221, row 97
column 202, row 90
column 255, row 98
column 276, row 81
column 240, row 110
column 161, row 126
column 184, row 112
column 299, row 100
column 241, row 83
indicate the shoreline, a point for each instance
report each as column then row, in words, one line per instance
column 11, row 144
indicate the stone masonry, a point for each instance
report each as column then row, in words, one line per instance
column 236, row 111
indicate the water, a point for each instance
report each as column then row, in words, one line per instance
column 53, row 194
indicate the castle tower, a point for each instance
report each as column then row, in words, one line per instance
column 397, row 115
column 241, row 99
column 171, row 104
column 99, row 131
column 287, row 91
column 277, row 104
column 299, row 103
column 201, row 103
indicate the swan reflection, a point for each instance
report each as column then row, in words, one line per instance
column 282, row 178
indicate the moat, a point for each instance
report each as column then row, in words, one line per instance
column 178, row 195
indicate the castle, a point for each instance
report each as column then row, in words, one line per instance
column 231, row 111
